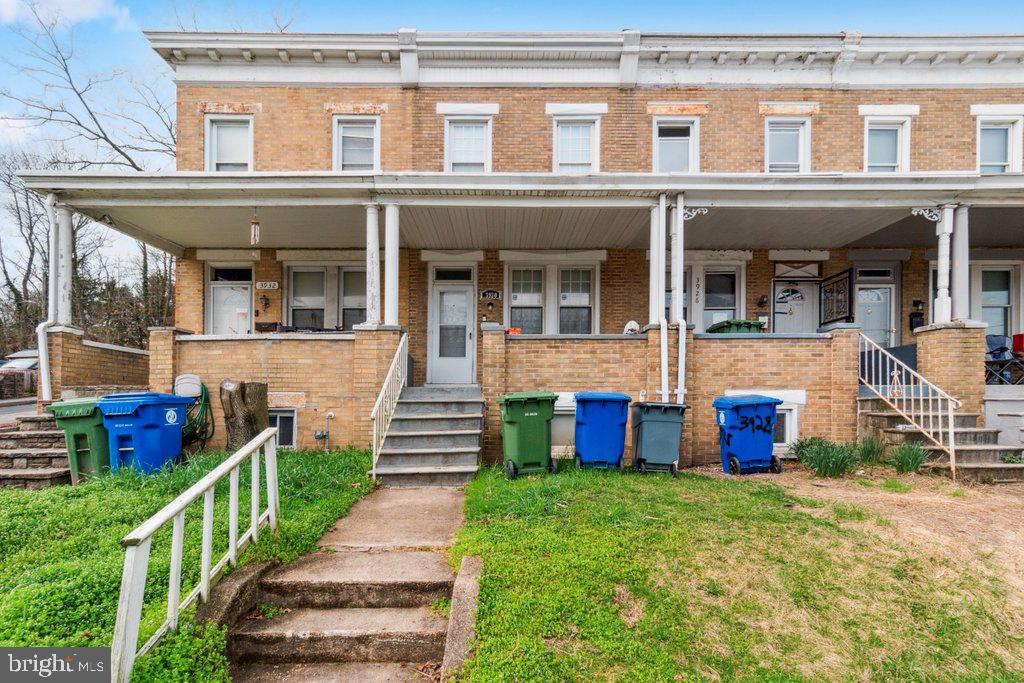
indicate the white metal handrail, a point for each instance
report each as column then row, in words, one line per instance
column 387, row 400
column 919, row 401
column 137, row 547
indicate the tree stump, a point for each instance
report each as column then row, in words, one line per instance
column 245, row 411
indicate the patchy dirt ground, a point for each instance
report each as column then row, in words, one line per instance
column 968, row 523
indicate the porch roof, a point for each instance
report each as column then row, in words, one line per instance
column 526, row 211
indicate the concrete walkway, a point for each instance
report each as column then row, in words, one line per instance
column 399, row 519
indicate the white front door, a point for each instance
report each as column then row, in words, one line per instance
column 875, row 313
column 452, row 347
column 796, row 306
column 230, row 306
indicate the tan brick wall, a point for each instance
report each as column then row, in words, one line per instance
column 953, row 357
column 74, row 363
column 292, row 126
column 189, row 292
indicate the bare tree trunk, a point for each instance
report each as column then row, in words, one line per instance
column 245, row 411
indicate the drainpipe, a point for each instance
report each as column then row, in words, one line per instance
column 661, row 297
column 51, row 302
column 678, row 282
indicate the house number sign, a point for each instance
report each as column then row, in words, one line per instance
column 263, row 286
column 490, row 295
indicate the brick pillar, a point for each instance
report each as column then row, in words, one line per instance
column 493, row 374
column 686, row 456
column 163, row 361
column 374, row 349
column 64, row 345
column 653, row 380
column 189, row 292
column 845, row 383
column 952, row 355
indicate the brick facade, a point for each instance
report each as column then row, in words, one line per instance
column 78, row 362
column 953, row 357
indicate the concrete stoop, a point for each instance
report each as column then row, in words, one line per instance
column 980, row 458
column 359, row 609
column 434, row 438
column 33, row 454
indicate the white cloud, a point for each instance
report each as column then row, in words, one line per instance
column 67, row 11
column 14, row 131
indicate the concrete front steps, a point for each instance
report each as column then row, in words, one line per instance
column 434, row 438
column 33, row 454
column 979, row 457
column 350, row 616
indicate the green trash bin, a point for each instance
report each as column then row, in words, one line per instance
column 526, row 432
column 85, row 435
column 736, row 327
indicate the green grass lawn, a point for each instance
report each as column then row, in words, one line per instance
column 595, row 575
column 61, row 560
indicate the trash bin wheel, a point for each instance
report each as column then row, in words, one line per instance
column 553, row 467
column 510, row 469
column 734, row 466
column 641, row 466
column 673, row 469
column 776, row 465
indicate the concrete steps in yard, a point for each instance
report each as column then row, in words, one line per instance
column 434, row 438
column 33, row 454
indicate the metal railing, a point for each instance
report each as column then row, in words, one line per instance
column 137, row 547
column 387, row 400
column 920, row 402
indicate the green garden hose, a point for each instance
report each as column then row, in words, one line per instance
column 199, row 421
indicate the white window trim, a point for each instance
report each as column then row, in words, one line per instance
column 804, row 141
column 595, row 141
column 902, row 125
column 358, row 119
column 293, row 413
column 306, row 268
column 1016, row 142
column 1016, row 269
column 694, row 123
column 576, row 108
column 793, row 401
column 210, row 284
column 889, row 109
column 210, row 139
column 342, row 269
column 552, row 288
column 488, row 138
column 333, row 287
column 700, row 290
column 467, row 108
column 474, row 322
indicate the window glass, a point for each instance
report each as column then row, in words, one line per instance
column 453, row 324
column 784, row 147
column 574, row 146
column 673, row 148
column 781, row 422
column 526, row 305
column 575, row 312
column 883, row 149
column 994, row 149
column 720, row 297
column 468, row 141
column 284, row 420
column 453, row 274
column 356, row 141
column 231, row 275
column 995, row 301
column 231, row 145
column 353, row 298
column 307, row 298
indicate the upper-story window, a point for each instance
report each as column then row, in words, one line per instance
column 468, row 145
column 576, row 145
column 229, row 143
column 676, row 145
column 1000, row 133
column 887, row 145
column 357, row 143
column 787, row 145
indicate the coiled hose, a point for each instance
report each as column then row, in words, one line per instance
column 199, row 421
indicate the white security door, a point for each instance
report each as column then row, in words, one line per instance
column 796, row 307
column 452, row 352
column 875, row 314
column 230, row 309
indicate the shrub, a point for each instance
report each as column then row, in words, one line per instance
column 803, row 445
column 828, row 459
column 909, row 457
column 871, row 451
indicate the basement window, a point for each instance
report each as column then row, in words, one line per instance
column 229, row 144
column 785, row 430
column 284, row 420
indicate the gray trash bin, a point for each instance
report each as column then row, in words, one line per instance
column 657, row 429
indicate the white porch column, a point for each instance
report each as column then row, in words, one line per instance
column 678, row 261
column 676, row 255
column 391, row 264
column 663, row 245
column 960, row 265
column 372, row 266
column 654, row 263
column 65, row 265
column 943, row 308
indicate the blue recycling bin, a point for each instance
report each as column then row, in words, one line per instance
column 746, row 427
column 143, row 429
column 601, row 429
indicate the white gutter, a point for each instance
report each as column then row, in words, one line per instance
column 661, row 296
column 51, row 302
column 678, row 282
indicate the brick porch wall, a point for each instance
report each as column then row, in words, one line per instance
column 953, row 357
column 77, row 362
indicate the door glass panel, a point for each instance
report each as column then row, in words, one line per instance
column 453, row 321
column 231, row 309
column 874, row 313
column 721, row 290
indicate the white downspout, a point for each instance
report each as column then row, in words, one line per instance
column 51, row 302
column 663, row 323
column 678, row 283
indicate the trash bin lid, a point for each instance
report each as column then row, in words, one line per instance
column 524, row 396
column 128, row 403
column 728, row 402
column 602, row 396
column 78, row 407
